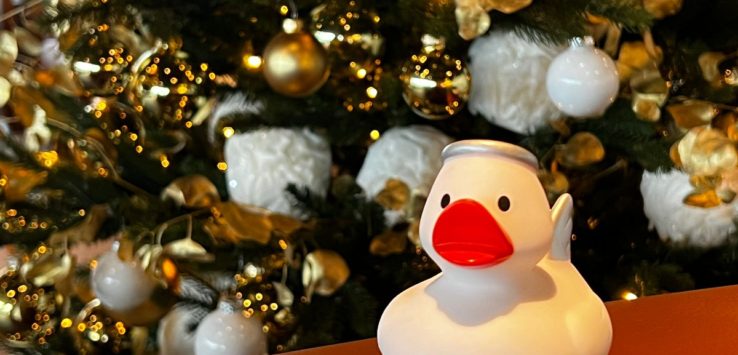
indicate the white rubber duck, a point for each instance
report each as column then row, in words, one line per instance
column 507, row 284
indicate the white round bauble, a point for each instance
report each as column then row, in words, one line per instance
column 663, row 196
column 226, row 332
column 509, row 73
column 263, row 162
column 583, row 80
column 410, row 154
column 120, row 285
column 176, row 333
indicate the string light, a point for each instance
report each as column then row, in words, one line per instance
column 374, row 134
column 629, row 296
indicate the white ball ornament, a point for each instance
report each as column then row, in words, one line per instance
column 120, row 285
column 176, row 333
column 262, row 163
column 583, row 80
column 225, row 331
column 663, row 203
column 411, row 154
column 509, row 75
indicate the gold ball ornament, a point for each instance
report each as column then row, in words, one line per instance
column 295, row 64
column 167, row 87
column 435, row 85
column 101, row 63
column 350, row 33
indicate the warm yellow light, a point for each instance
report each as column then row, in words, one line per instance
column 228, row 132
column 66, row 323
column 361, row 73
column 252, row 61
column 284, row 10
column 374, row 134
column 371, row 92
column 222, row 166
column 139, row 149
column 164, row 161
column 629, row 296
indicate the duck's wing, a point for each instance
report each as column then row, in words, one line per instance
column 561, row 215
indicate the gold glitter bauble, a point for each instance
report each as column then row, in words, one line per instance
column 101, row 63
column 28, row 314
column 350, row 33
column 435, row 85
column 295, row 64
column 167, row 87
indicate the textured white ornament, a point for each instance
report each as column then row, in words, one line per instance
column 226, row 332
column 263, row 162
column 663, row 196
column 176, row 334
column 120, row 285
column 583, row 80
column 51, row 56
column 509, row 74
column 411, row 154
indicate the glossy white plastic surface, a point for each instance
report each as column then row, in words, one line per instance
column 532, row 302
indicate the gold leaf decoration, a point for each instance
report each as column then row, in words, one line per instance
column 188, row 249
column 84, row 231
column 8, row 51
column 232, row 223
column 709, row 62
column 705, row 199
column 388, row 243
column 47, row 267
column 650, row 92
column 324, row 272
column 692, row 113
column 635, row 56
column 473, row 18
column 554, row 183
column 5, row 88
column 194, row 191
column 17, row 181
column 662, row 8
column 582, row 149
column 728, row 123
column 394, row 196
column 706, row 151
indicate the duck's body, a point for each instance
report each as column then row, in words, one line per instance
column 507, row 285
column 565, row 318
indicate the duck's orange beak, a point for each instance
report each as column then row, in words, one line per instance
column 466, row 234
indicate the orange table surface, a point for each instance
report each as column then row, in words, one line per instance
column 695, row 322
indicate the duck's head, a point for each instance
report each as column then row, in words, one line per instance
column 486, row 211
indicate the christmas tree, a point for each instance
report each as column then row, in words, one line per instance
column 168, row 165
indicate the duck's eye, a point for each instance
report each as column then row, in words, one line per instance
column 503, row 203
column 445, row 200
